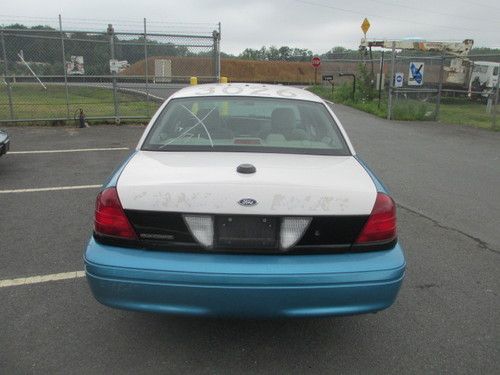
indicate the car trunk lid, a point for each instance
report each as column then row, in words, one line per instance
column 283, row 184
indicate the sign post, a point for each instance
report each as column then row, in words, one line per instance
column 328, row 78
column 353, row 83
column 316, row 62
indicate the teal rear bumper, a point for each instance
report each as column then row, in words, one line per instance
column 244, row 285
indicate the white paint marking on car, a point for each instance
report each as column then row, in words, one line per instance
column 70, row 150
column 41, row 279
column 50, row 189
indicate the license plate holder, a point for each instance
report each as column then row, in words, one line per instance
column 238, row 231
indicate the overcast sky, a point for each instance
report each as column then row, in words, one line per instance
column 316, row 24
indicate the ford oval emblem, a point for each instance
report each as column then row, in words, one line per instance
column 247, row 202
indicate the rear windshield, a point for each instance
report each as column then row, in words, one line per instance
column 247, row 124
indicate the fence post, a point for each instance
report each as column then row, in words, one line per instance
column 64, row 68
column 146, row 67
column 7, row 79
column 216, row 36
column 111, row 32
column 440, row 89
column 495, row 103
column 218, row 54
column 381, row 72
column 391, row 81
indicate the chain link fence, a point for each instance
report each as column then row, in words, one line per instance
column 423, row 87
column 56, row 75
column 460, row 91
column 415, row 89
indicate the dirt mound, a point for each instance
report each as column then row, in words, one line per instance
column 235, row 69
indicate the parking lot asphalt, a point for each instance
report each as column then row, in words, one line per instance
column 446, row 181
column 449, row 173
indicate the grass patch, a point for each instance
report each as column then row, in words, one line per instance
column 33, row 102
column 343, row 95
column 462, row 111
column 456, row 111
column 412, row 110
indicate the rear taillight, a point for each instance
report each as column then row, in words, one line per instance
column 381, row 225
column 110, row 219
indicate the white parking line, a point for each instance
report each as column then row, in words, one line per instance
column 41, row 279
column 50, row 189
column 70, row 150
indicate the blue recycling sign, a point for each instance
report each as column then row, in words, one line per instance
column 399, row 79
column 416, row 74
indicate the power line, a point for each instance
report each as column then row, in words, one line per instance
column 406, row 21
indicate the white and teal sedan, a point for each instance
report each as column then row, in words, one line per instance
column 245, row 200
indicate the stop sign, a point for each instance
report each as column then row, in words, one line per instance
column 316, row 62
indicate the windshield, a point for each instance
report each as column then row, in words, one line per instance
column 249, row 124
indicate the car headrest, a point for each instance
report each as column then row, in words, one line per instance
column 282, row 120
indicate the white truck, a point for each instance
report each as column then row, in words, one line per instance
column 484, row 77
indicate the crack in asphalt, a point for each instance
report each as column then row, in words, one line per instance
column 482, row 244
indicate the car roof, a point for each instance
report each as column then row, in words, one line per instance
column 246, row 90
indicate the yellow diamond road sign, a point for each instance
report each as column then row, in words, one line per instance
column 365, row 25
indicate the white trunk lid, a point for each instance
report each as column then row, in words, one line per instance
column 284, row 184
